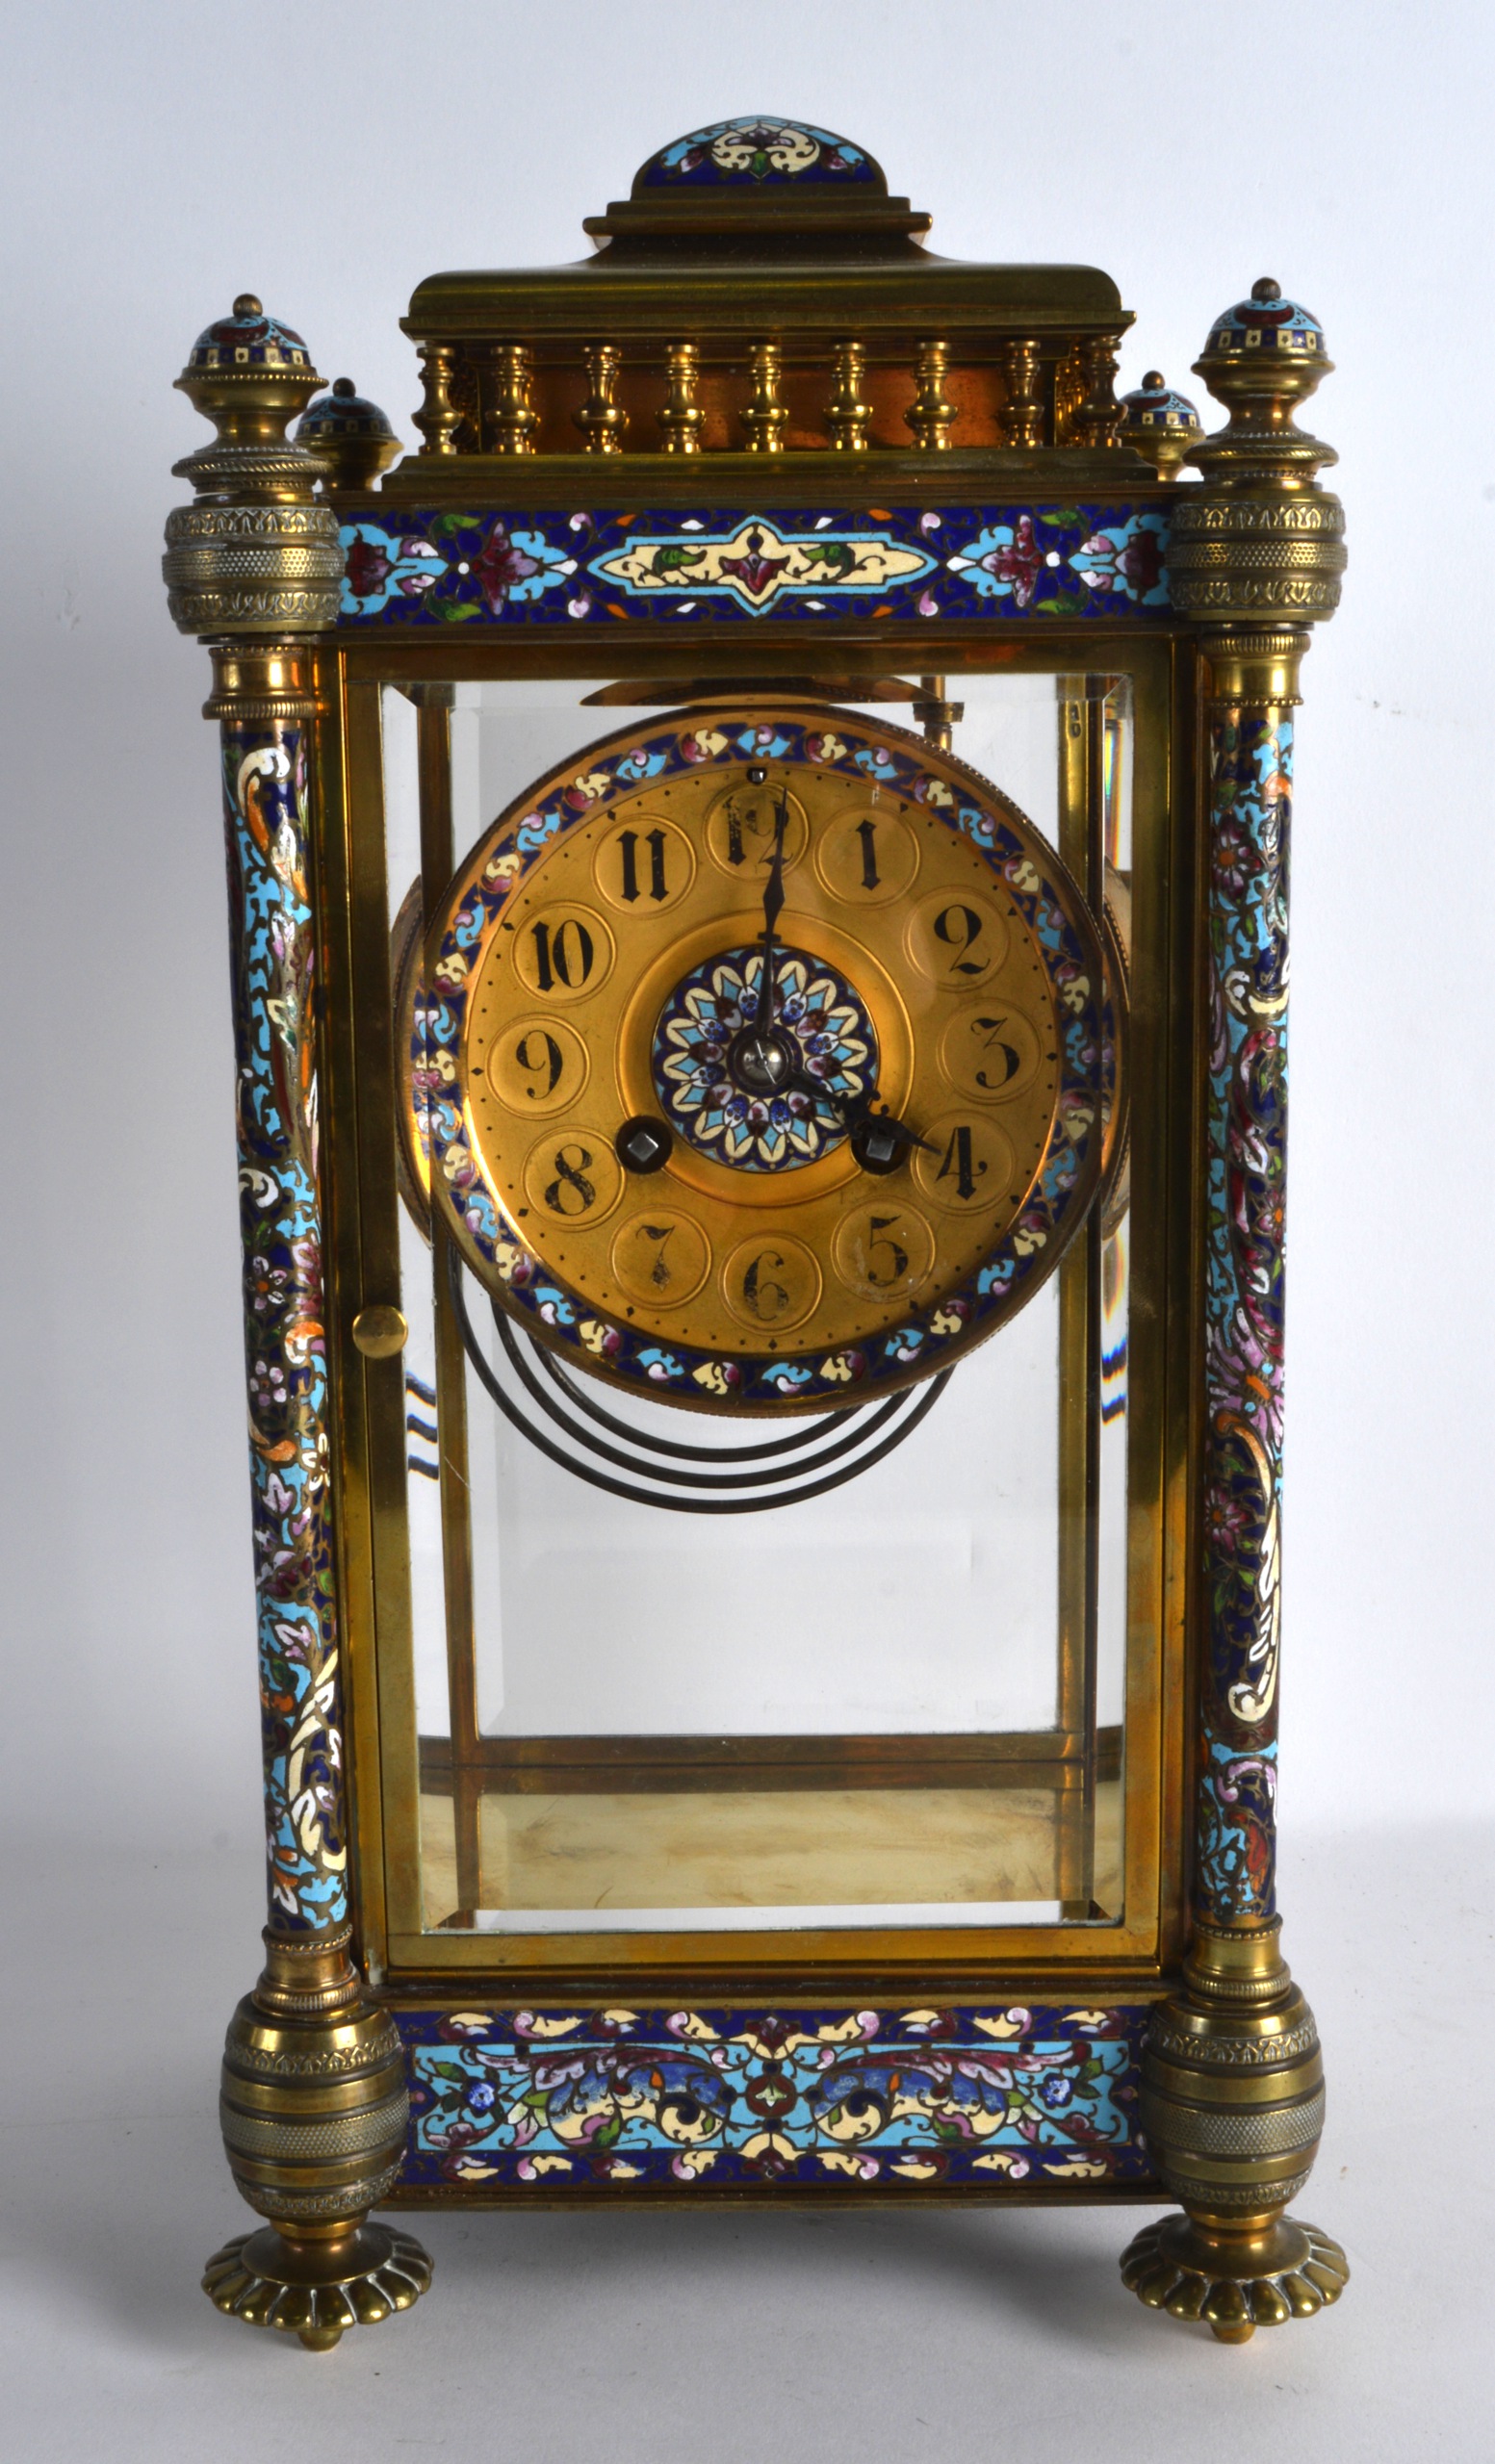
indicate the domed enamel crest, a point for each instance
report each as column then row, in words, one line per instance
column 760, row 149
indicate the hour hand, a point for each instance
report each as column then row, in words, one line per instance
column 879, row 1143
column 878, row 1140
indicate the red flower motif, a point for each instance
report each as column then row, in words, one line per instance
column 1020, row 563
column 755, row 571
column 1141, row 561
column 499, row 567
column 368, row 566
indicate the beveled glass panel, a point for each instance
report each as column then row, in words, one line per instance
column 896, row 1703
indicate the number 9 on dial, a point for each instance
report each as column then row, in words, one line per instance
column 537, row 1065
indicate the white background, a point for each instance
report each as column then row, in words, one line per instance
column 160, row 157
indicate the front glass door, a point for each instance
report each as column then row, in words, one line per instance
column 886, row 1707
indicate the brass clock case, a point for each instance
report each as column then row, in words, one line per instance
column 598, row 961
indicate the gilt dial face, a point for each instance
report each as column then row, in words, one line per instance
column 761, row 1061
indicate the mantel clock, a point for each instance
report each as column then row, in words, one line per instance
column 758, row 873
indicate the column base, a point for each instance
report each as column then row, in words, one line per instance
column 314, row 2111
column 315, row 2288
column 1236, row 2277
column 1231, row 2105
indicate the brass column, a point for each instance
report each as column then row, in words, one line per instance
column 1232, row 2089
column 314, row 2105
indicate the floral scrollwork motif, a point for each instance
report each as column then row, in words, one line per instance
column 1250, row 782
column 266, row 797
column 824, row 2099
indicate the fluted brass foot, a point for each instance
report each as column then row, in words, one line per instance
column 1232, row 2107
column 1236, row 2281
column 314, row 2110
column 314, row 2289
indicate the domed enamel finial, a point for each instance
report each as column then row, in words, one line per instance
column 1159, row 423
column 1268, row 324
column 353, row 437
column 1263, row 358
column 246, row 340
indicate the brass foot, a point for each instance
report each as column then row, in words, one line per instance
column 1235, row 2281
column 314, row 2111
column 316, row 2289
column 1232, row 2107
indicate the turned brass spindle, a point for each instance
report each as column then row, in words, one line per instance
column 930, row 415
column 438, row 418
column 1023, row 412
column 848, row 416
column 602, row 419
column 938, row 716
column 681, row 414
column 512, row 419
column 766, row 418
column 1099, row 419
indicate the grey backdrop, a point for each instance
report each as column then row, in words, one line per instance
column 159, row 159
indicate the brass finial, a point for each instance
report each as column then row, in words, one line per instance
column 250, row 375
column 1260, row 542
column 1160, row 423
column 766, row 418
column 1263, row 357
column 929, row 415
column 848, row 416
column 352, row 436
column 601, row 419
column 680, row 416
column 255, row 554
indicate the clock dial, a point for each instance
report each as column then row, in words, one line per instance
column 765, row 1065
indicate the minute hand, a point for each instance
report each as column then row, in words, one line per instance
column 773, row 909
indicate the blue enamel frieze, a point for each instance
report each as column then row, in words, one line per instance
column 826, row 2099
column 470, row 566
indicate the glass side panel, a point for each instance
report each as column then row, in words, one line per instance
column 897, row 1702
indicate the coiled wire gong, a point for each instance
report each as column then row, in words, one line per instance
column 536, row 1389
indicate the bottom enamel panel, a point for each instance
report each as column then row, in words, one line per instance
column 808, row 2098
